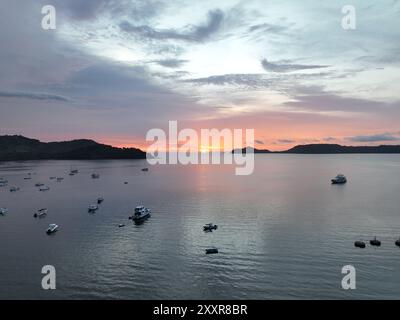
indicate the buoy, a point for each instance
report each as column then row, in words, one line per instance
column 359, row 244
column 375, row 242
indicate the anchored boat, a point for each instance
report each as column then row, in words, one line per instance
column 52, row 228
column 93, row 207
column 40, row 213
column 339, row 179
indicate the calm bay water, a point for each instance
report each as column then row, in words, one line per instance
column 284, row 232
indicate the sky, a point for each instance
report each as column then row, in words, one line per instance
column 114, row 69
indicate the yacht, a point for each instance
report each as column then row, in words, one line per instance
column 44, row 188
column 40, row 213
column 93, row 207
column 140, row 213
column 52, row 228
column 3, row 211
column 14, row 189
column 339, row 179
column 95, row 176
column 210, row 227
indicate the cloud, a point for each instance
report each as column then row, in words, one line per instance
column 286, row 66
column 198, row 33
column 247, row 80
column 374, row 138
column 286, row 141
column 259, row 142
column 266, row 27
column 170, row 63
column 33, row 96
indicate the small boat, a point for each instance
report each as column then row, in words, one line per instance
column 210, row 227
column 52, row 178
column 211, row 251
column 71, row 174
column 100, row 200
column 39, row 184
column 93, row 207
column 375, row 242
column 73, row 171
column 44, row 188
column 95, row 176
column 52, row 228
column 359, row 244
column 339, row 179
column 28, row 178
column 40, row 213
column 14, row 189
column 397, row 243
column 121, row 225
column 126, row 182
column 140, row 213
column 145, row 169
column 3, row 211
column 60, row 179
column 3, row 182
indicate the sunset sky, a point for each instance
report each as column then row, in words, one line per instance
column 112, row 70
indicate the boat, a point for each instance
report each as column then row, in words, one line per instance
column 339, row 179
column 44, row 188
column 28, row 178
column 145, row 169
column 375, row 242
column 397, row 243
column 3, row 182
column 100, row 200
column 73, row 172
column 121, row 225
column 52, row 228
column 211, row 250
column 40, row 213
column 52, row 178
column 14, row 189
column 93, row 207
column 39, row 184
column 140, row 213
column 95, row 176
column 359, row 244
column 210, row 227
column 3, row 211
column 60, row 179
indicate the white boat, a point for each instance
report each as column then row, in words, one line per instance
column 44, row 188
column 93, row 207
column 14, row 189
column 3, row 211
column 40, row 213
column 140, row 213
column 95, row 176
column 339, row 179
column 52, row 228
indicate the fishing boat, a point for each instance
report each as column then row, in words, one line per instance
column 140, row 213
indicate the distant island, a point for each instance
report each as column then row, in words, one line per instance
column 327, row 149
column 15, row 147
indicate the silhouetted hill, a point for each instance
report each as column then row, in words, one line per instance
column 251, row 150
column 22, row 148
column 336, row 148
